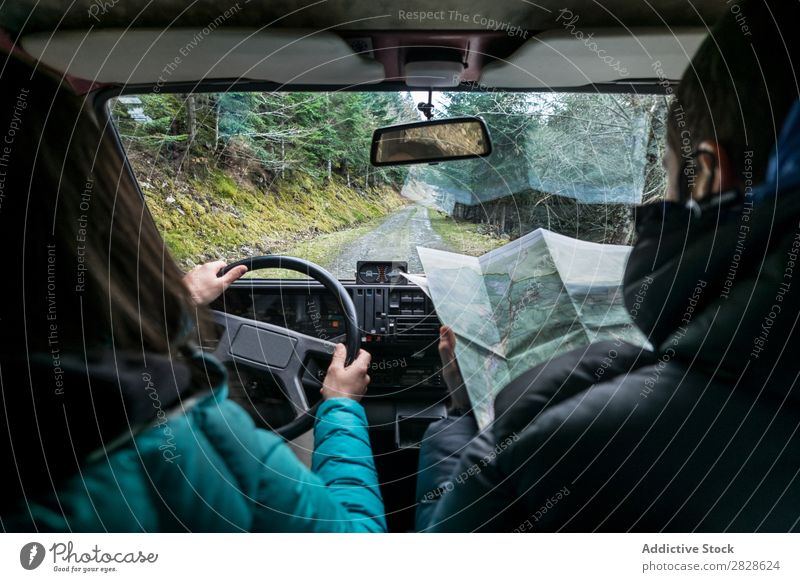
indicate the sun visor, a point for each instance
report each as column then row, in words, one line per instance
column 574, row 58
column 188, row 55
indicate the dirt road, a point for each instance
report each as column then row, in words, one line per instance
column 395, row 239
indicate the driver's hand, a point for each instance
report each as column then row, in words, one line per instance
column 204, row 285
column 346, row 382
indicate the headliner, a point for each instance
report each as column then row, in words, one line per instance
column 29, row 16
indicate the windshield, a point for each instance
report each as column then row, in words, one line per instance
column 233, row 175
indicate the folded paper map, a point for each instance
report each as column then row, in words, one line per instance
column 517, row 306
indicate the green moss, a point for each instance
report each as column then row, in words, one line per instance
column 225, row 186
column 215, row 215
column 462, row 235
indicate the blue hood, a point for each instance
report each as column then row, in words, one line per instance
column 783, row 170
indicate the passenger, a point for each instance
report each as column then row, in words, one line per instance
column 700, row 435
column 112, row 419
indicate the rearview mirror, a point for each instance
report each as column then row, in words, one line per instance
column 458, row 138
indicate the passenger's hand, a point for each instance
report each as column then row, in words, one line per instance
column 346, row 382
column 204, row 285
column 450, row 370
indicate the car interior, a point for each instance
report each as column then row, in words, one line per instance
column 276, row 332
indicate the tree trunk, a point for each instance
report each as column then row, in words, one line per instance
column 191, row 117
column 652, row 181
column 216, row 123
column 283, row 158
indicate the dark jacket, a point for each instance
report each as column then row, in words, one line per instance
column 700, row 435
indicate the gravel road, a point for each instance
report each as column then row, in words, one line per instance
column 395, row 239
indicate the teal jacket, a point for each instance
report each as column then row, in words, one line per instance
column 210, row 469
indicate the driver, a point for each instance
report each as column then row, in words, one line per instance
column 113, row 419
column 701, row 434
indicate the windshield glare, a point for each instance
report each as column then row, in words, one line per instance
column 232, row 175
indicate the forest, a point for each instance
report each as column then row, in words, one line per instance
column 234, row 174
column 571, row 162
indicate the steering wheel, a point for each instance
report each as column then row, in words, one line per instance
column 280, row 353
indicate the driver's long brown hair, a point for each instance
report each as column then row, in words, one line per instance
column 83, row 263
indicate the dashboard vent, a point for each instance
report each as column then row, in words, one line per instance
column 416, row 326
column 411, row 315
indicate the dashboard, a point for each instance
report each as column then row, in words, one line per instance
column 397, row 324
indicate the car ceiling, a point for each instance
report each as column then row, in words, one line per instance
column 48, row 15
column 130, row 41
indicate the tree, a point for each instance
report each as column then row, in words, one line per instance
column 572, row 162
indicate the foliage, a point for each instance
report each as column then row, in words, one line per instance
column 230, row 173
column 469, row 238
column 235, row 173
column 211, row 216
column 271, row 133
column 555, row 157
